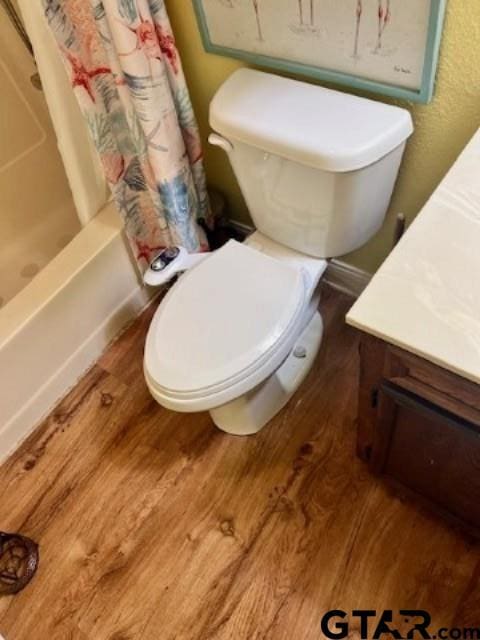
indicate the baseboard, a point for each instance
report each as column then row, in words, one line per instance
column 346, row 278
column 241, row 228
column 340, row 275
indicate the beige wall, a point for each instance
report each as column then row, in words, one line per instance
column 442, row 128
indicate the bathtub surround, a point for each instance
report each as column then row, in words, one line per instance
column 14, row 17
column 36, row 219
column 127, row 76
column 47, row 341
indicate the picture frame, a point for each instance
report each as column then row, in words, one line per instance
column 383, row 46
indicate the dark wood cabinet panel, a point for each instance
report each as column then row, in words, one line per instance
column 419, row 426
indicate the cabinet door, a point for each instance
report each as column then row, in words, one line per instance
column 429, row 450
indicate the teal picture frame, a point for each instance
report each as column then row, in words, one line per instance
column 423, row 95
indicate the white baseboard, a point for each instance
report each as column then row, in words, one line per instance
column 340, row 275
column 346, row 278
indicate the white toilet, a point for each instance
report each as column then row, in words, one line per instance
column 238, row 332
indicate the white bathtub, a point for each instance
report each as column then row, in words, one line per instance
column 58, row 325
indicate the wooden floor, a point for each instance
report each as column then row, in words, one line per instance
column 156, row 526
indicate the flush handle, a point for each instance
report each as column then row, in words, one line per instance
column 218, row 141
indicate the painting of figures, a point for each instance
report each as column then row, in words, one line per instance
column 388, row 44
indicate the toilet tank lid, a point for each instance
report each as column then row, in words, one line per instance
column 325, row 129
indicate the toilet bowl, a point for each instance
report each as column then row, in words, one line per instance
column 239, row 331
column 237, row 334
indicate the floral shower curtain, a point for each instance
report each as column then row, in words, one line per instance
column 128, row 79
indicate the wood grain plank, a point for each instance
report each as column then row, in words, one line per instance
column 155, row 525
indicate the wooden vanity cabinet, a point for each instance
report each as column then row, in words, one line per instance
column 419, row 426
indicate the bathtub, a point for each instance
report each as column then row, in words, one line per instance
column 67, row 282
column 55, row 328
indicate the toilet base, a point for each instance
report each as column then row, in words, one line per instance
column 251, row 412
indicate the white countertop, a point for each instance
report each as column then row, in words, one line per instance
column 425, row 298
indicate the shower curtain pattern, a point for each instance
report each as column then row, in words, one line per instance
column 127, row 75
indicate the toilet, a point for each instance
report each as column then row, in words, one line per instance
column 238, row 332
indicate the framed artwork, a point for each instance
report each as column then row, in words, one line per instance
column 387, row 46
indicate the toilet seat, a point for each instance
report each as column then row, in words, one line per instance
column 224, row 328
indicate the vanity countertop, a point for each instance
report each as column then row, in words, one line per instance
column 426, row 296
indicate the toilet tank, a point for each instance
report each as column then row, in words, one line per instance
column 317, row 167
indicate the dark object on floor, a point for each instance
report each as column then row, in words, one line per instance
column 223, row 231
column 18, row 562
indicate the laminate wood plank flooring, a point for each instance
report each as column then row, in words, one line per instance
column 156, row 526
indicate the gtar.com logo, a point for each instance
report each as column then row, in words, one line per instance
column 372, row 625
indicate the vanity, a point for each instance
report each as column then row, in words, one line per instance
column 419, row 318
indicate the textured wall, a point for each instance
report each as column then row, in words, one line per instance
column 442, row 128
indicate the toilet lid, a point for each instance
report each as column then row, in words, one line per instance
column 223, row 319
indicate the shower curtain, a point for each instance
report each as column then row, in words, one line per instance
column 127, row 76
column 80, row 159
